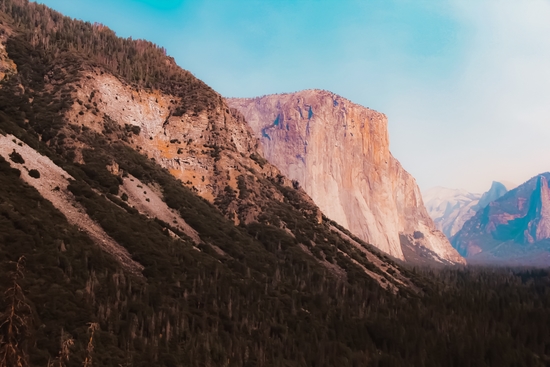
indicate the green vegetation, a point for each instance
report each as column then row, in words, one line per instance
column 16, row 157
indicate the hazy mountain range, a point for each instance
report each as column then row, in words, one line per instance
column 451, row 208
column 513, row 229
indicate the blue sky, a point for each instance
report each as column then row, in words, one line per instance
column 465, row 83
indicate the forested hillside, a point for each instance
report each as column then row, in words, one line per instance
column 284, row 289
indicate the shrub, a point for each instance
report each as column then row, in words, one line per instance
column 16, row 157
column 418, row 235
column 34, row 173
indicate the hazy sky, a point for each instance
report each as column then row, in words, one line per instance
column 465, row 84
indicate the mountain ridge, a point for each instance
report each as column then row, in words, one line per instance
column 451, row 208
column 255, row 238
column 512, row 229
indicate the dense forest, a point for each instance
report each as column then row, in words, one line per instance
column 265, row 303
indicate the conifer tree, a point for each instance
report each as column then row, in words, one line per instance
column 14, row 321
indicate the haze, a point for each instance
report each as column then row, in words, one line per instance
column 465, row 84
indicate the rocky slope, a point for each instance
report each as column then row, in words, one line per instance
column 143, row 204
column 497, row 190
column 451, row 208
column 339, row 153
column 514, row 229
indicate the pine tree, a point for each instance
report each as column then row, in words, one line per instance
column 14, row 322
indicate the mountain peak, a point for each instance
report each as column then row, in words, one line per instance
column 538, row 217
column 499, row 232
column 497, row 190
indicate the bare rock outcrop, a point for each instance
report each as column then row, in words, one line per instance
column 512, row 230
column 451, row 208
column 338, row 151
column 208, row 151
column 538, row 218
column 52, row 183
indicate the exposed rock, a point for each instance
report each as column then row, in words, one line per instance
column 451, row 208
column 514, row 229
column 7, row 66
column 212, row 151
column 538, row 217
column 497, row 190
column 52, row 185
column 148, row 201
column 339, row 153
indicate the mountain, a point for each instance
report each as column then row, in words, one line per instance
column 514, row 229
column 451, row 208
column 116, row 251
column 497, row 190
column 133, row 199
column 338, row 152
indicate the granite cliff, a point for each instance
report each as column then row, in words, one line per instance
column 151, row 145
column 451, row 208
column 514, row 229
column 109, row 256
column 338, row 152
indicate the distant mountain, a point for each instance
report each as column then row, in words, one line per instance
column 514, row 229
column 497, row 190
column 338, row 151
column 451, row 208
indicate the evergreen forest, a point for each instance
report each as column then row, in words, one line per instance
column 260, row 301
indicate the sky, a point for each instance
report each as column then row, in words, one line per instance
column 465, row 83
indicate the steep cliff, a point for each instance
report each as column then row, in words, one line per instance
column 338, row 152
column 106, row 255
column 141, row 203
column 514, row 229
column 451, row 208
column 538, row 217
column 497, row 190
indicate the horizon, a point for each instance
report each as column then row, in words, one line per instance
column 464, row 84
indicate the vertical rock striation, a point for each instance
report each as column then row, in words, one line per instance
column 538, row 217
column 339, row 152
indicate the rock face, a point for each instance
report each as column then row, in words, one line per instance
column 451, row 208
column 514, row 229
column 338, row 152
column 211, row 152
column 538, row 217
column 497, row 190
